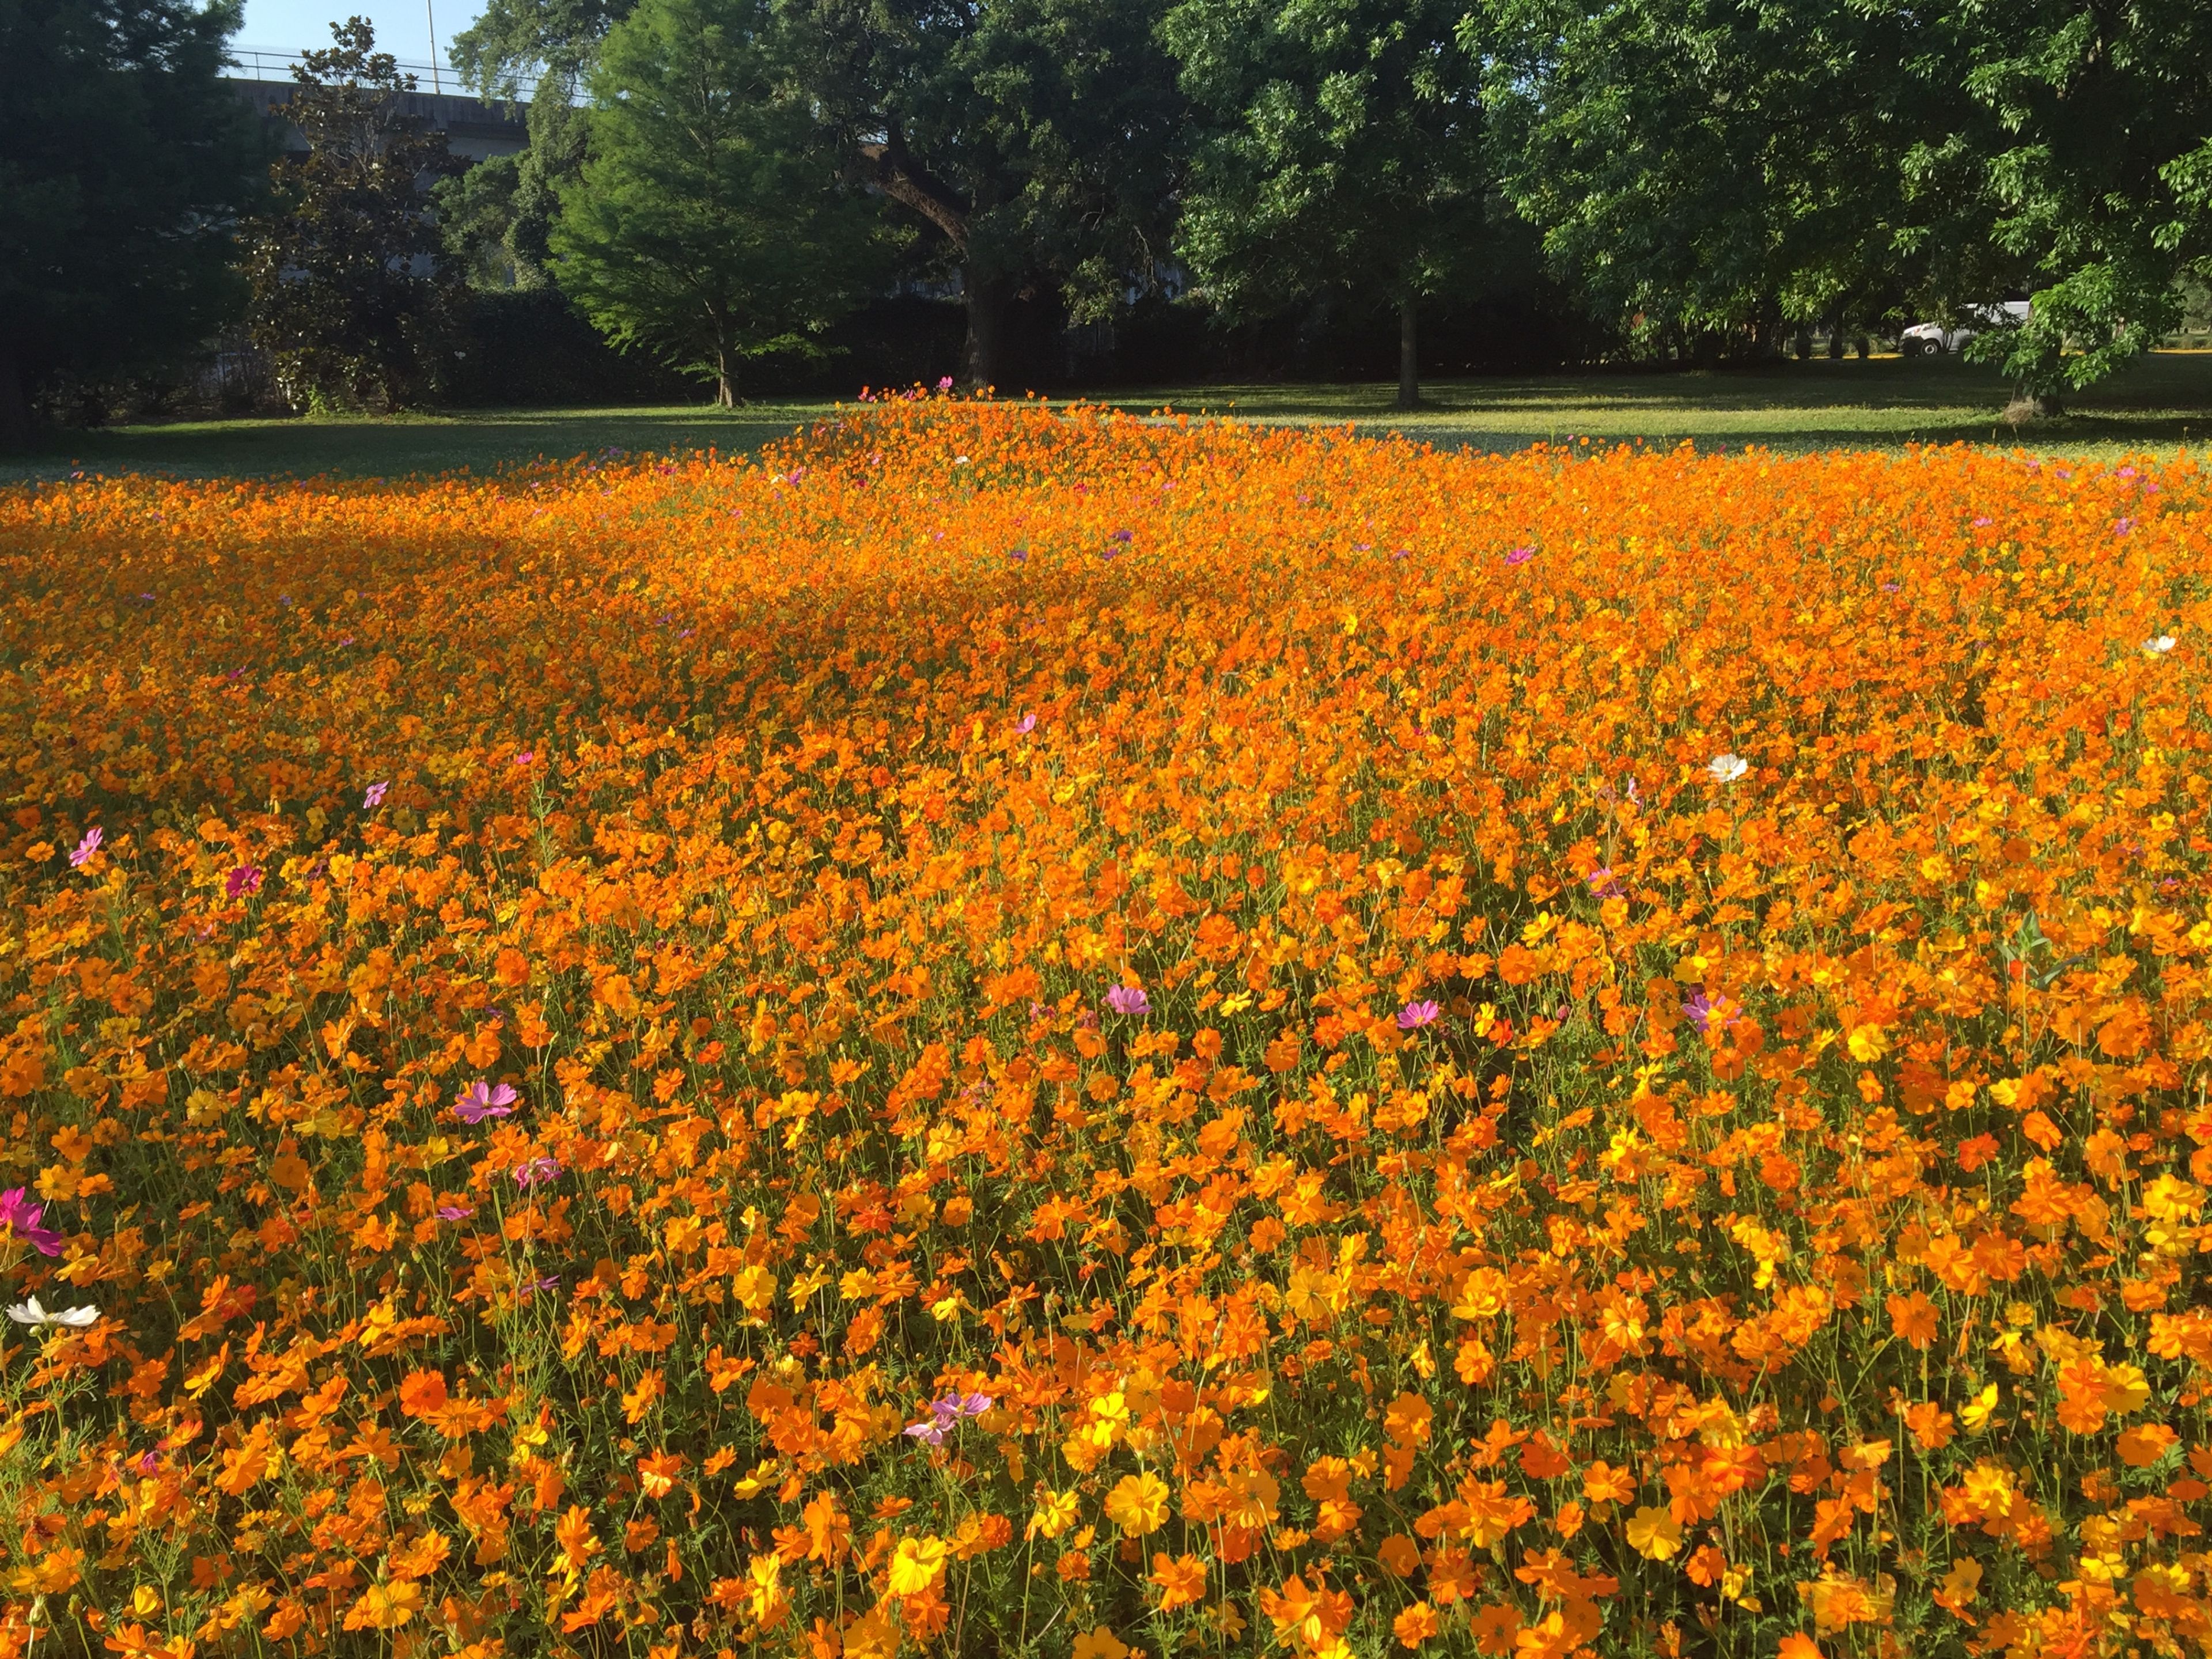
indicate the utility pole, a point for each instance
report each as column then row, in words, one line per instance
column 430, row 10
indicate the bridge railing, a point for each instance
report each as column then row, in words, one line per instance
column 275, row 64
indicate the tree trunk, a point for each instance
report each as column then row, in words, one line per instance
column 985, row 357
column 1836, row 336
column 1409, row 356
column 14, row 406
column 726, row 379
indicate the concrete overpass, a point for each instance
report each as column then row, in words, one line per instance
column 474, row 129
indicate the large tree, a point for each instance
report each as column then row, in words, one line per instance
column 498, row 216
column 1339, row 149
column 2096, row 173
column 350, row 299
column 1707, row 170
column 124, row 162
column 1707, row 167
column 709, row 224
column 1037, row 137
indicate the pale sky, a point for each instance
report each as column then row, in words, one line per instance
column 403, row 28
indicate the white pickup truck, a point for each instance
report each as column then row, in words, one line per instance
column 1933, row 339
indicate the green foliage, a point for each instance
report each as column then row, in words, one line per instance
column 350, row 297
column 1709, row 170
column 1340, row 149
column 705, row 227
column 2099, row 174
column 497, row 218
column 123, row 163
column 553, row 42
column 1037, row 138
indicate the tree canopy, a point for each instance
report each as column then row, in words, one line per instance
column 2096, row 174
column 125, row 163
column 1037, row 138
column 708, row 227
column 350, row 297
column 1710, row 178
column 1339, row 147
column 1703, row 168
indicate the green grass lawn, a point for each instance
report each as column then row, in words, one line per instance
column 2160, row 402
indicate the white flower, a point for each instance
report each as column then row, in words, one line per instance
column 959, row 460
column 30, row 1313
column 2159, row 646
column 1727, row 769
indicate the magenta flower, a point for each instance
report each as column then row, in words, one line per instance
column 1604, row 884
column 456, row 1212
column 533, row 1286
column 1520, row 556
column 374, row 797
column 20, row 1217
column 1415, row 1015
column 244, row 879
column 1129, row 999
column 945, row 383
column 945, row 1414
column 537, row 1172
column 523, row 756
column 1705, row 1012
column 481, row 1099
column 1026, row 725
column 86, row 847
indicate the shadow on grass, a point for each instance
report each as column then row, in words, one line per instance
column 395, row 446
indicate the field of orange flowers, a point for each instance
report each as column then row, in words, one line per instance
column 1017, row 1032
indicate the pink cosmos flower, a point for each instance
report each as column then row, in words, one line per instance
column 86, row 847
column 374, row 797
column 481, row 1099
column 1520, row 556
column 537, row 1172
column 1415, row 1015
column 242, row 881
column 945, row 1414
column 22, row 1218
column 1706, row 1011
column 1604, row 884
column 456, row 1212
column 1129, row 999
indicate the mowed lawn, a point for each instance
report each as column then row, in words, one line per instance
column 2159, row 403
